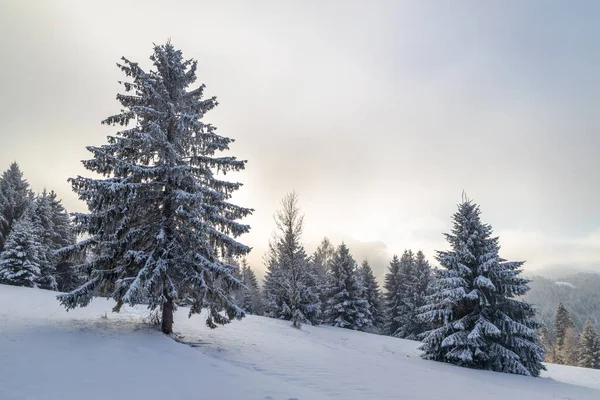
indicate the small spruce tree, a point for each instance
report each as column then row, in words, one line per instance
column 562, row 324
column 480, row 323
column 347, row 306
column 290, row 290
column 589, row 348
column 15, row 198
column 20, row 263
column 251, row 301
column 373, row 296
column 392, row 297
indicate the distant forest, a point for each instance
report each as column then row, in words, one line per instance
column 579, row 293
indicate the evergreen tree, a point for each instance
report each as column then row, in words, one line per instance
column 392, row 297
column 251, row 301
column 290, row 290
column 480, row 323
column 414, row 275
column 373, row 296
column 347, row 306
column 319, row 263
column 407, row 318
column 548, row 343
column 569, row 351
column 15, row 197
column 562, row 323
column 589, row 348
column 62, row 235
column 160, row 222
column 20, row 260
column 43, row 226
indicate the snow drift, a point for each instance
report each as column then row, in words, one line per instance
column 91, row 353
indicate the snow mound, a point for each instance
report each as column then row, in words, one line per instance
column 94, row 354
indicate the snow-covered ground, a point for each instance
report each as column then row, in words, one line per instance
column 47, row 353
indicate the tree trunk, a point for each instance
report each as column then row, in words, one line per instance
column 167, row 316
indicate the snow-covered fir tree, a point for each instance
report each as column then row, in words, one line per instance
column 392, row 297
column 568, row 353
column 423, row 273
column 62, row 235
column 290, row 290
column 562, row 325
column 347, row 306
column 414, row 275
column 589, row 347
column 40, row 214
column 373, row 296
column 15, row 197
column 407, row 312
column 480, row 323
column 251, row 298
column 20, row 263
column 319, row 264
column 548, row 343
column 160, row 221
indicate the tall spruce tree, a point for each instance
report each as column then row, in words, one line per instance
column 320, row 262
column 414, row 275
column 548, row 343
column 160, row 222
column 347, row 306
column 589, row 348
column 20, row 263
column 481, row 324
column 392, row 297
column 40, row 214
column 62, row 235
column 290, row 290
column 407, row 318
column 562, row 324
column 15, row 198
column 373, row 296
column 251, row 300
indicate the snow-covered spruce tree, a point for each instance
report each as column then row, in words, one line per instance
column 481, row 324
column 20, row 260
column 62, row 235
column 160, row 222
column 373, row 296
column 40, row 214
column 347, row 306
column 414, row 275
column 319, row 265
column 250, row 296
column 589, row 348
column 548, row 343
column 407, row 313
column 569, row 351
column 392, row 297
column 562, row 323
column 290, row 290
column 423, row 273
column 15, row 197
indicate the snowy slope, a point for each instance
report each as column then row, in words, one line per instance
column 47, row 353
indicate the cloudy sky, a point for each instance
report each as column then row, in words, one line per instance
column 378, row 113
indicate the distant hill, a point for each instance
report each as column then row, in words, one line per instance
column 579, row 293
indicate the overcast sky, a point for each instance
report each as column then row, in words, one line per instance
column 378, row 113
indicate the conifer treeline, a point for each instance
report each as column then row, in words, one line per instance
column 329, row 287
column 564, row 344
column 32, row 228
